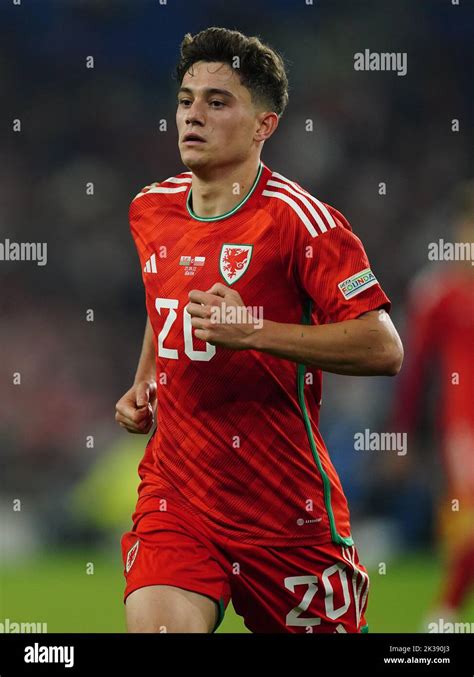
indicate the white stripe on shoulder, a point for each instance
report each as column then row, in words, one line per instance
column 295, row 207
column 304, row 200
column 177, row 179
column 167, row 189
column 156, row 188
column 322, row 207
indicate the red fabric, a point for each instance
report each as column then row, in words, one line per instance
column 440, row 341
column 231, row 439
column 459, row 577
column 267, row 584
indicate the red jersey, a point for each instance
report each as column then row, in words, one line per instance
column 237, row 433
column 441, row 340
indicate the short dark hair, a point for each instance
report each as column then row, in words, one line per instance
column 261, row 69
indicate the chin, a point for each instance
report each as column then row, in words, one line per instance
column 194, row 162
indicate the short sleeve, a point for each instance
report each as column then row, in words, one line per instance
column 331, row 267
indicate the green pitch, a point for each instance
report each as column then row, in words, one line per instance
column 56, row 589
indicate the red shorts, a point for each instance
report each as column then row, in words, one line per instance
column 321, row 588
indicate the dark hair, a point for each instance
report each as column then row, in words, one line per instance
column 261, row 68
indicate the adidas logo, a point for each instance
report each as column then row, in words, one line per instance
column 150, row 265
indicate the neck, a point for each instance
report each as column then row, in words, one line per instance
column 218, row 194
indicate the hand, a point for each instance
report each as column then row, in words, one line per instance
column 221, row 318
column 135, row 410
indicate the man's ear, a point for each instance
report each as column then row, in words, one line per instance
column 268, row 122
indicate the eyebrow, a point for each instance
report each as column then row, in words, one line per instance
column 208, row 91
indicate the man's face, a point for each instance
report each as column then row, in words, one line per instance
column 213, row 104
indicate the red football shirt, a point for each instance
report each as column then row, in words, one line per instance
column 441, row 340
column 237, row 431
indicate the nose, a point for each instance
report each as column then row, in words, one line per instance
column 194, row 114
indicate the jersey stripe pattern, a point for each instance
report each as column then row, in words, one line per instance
column 237, row 437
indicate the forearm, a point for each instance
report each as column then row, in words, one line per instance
column 354, row 347
column 146, row 370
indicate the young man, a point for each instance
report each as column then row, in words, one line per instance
column 253, row 286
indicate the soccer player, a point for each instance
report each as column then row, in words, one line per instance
column 253, row 287
column 441, row 341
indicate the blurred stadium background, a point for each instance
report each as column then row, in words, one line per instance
column 100, row 125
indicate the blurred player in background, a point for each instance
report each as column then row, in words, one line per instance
column 253, row 286
column 440, row 341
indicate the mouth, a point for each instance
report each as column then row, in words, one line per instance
column 192, row 139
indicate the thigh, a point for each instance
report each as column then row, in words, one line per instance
column 165, row 608
column 173, row 575
column 304, row 589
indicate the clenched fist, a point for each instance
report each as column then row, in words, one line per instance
column 135, row 410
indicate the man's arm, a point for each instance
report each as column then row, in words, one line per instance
column 135, row 410
column 366, row 346
column 146, row 369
